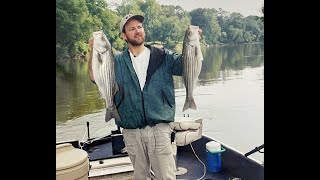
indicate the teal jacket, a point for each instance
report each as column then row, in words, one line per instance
column 156, row 102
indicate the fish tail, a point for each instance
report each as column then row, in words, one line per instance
column 189, row 103
column 112, row 113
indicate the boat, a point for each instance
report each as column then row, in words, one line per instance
column 105, row 157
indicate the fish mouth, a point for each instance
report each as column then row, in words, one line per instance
column 97, row 32
column 100, row 49
column 193, row 44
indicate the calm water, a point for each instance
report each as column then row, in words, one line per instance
column 229, row 97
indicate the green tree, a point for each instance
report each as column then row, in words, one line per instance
column 207, row 20
column 171, row 25
column 73, row 27
column 152, row 11
column 110, row 20
column 235, row 34
column 235, row 28
column 129, row 7
column 252, row 28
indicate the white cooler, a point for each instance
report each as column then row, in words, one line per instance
column 71, row 163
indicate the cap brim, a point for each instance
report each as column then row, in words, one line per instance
column 137, row 17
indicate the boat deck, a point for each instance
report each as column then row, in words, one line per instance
column 234, row 164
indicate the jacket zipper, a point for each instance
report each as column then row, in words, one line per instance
column 144, row 111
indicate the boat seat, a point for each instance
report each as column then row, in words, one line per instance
column 187, row 130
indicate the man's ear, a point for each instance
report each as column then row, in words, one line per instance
column 123, row 35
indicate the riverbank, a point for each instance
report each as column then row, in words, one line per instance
column 177, row 49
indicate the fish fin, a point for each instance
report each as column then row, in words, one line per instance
column 199, row 53
column 112, row 113
column 189, row 103
column 116, row 88
column 99, row 57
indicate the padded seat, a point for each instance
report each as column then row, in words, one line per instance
column 187, row 130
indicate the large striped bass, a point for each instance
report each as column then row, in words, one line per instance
column 103, row 73
column 192, row 62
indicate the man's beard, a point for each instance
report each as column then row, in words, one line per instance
column 134, row 42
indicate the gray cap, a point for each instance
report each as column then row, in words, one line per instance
column 127, row 17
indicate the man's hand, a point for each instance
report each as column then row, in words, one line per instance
column 91, row 42
column 200, row 32
column 90, row 60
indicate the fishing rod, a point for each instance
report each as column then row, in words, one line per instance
column 254, row 150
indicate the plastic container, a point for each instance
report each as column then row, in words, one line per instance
column 213, row 151
column 71, row 163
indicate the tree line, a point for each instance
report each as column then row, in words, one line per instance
column 165, row 24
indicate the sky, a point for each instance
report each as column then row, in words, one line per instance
column 244, row 7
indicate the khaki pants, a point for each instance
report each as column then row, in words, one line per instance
column 150, row 148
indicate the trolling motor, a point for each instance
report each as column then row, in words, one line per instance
column 254, row 150
column 115, row 137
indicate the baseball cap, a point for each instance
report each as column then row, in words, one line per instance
column 127, row 17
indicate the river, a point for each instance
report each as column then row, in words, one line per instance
column 229, row 97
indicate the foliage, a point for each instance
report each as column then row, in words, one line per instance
column 73, row 24
column 77, row 19
column 207, row 20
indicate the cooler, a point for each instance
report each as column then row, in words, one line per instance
column 71, row 163
column 213, row 151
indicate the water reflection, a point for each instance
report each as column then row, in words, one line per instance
column 76, row 95
column 218, row 61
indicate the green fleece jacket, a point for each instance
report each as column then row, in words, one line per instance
column 156, row 102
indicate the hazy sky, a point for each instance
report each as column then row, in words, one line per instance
column 244, row 7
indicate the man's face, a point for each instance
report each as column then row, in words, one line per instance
column 134, row 32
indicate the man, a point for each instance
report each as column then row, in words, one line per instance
column 145, row 100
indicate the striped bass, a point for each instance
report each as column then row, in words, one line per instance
column 103, row 72
column 192, row 62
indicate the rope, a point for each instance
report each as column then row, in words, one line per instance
column 204, row 166
column 84, row 135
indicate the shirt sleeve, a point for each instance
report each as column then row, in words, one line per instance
column 175, row 61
